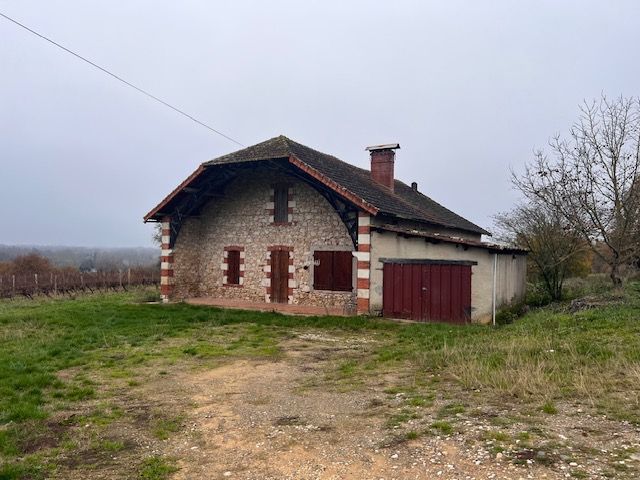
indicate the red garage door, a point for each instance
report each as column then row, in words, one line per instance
column 427, row 290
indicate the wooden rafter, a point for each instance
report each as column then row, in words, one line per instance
column 197, row 197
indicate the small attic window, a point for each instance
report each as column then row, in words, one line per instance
column 281, row 204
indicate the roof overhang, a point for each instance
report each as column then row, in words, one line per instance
column 438, row 238
column 158, row 211
column 176, row 191
column 426, row 261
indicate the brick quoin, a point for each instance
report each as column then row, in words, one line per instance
column 363, row 263
column 363, row 305
column 166, row 259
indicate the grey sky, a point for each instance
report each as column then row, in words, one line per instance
column 467, row 88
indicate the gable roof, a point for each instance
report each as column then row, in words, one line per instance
column 352, row 182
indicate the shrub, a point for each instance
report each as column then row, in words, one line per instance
column 511, row 313
column 537, row 295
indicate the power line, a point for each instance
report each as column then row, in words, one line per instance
column 120, row 79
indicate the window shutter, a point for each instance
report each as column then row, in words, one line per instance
column 333, row 270
column 281, row 204
column 342, row 271
column 322, row 268
column 233, row 267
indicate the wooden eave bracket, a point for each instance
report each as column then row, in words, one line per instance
column 331, row 184
column 175, row 192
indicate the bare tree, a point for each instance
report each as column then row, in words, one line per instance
column 591, row 179
column 157, row 234
column 555, row 251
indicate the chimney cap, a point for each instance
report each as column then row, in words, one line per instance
column 387, row 146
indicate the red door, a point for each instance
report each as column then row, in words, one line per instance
column 427, row 291
column 279, row 276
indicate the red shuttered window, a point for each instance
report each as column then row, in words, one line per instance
column 333, row 270
column 342, row 271
column 323, row 270
column 233, row 267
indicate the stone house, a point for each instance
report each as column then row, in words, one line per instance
column 280, row 223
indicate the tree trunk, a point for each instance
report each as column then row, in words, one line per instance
column 615, row 275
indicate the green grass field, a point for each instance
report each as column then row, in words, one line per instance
column 57, row 354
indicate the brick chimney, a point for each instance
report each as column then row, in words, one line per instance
column 382, row 161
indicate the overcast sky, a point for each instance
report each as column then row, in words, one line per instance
column 467, row 88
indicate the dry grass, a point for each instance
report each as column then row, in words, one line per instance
column 591, row 356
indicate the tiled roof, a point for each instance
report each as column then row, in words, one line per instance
column 403, row 202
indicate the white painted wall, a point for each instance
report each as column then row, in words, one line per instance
column 511, row 272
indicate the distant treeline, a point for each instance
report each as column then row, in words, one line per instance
column 86, row 259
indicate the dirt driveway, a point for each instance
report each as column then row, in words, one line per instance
column 281, row 420
column 304, row 415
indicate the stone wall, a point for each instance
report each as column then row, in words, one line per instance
column 244, row 218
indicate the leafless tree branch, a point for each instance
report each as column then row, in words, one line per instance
column 591, row 179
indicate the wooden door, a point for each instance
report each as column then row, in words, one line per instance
column 279, row 276
column 427, row 291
